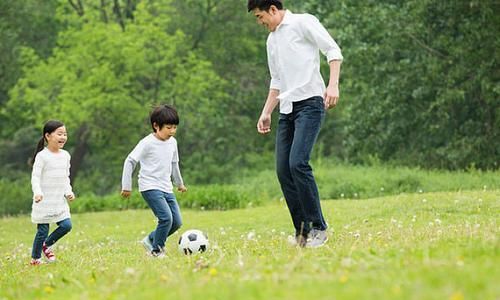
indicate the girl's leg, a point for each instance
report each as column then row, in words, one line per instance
column 63, row 227
column 176, row 213
column 41, row 235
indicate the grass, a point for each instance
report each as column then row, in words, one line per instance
column 411, row 246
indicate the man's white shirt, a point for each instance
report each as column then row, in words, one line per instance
column 293, row 58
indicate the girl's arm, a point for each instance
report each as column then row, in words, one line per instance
column 36, row 176
column 68, row 189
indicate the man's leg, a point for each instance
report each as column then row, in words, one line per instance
column 284, row 139
column 308, row 116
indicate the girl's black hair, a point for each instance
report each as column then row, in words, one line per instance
column 49, row 127
column 264, row 5
column 163, row 115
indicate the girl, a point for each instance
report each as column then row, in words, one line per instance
column 51, row 191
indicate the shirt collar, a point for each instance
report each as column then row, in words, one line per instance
column 287, row 18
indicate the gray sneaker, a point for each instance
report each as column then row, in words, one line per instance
column 316, row 238
column 297, row 241
column 146, row 242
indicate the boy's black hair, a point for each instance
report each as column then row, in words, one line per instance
column 264, row 4
column 163, row 115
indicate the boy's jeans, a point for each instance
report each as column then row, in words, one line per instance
column 165, row 207
column 63, row 227
column 297, row 133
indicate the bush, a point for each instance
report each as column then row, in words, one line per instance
column 220, row 197
column 15, row 196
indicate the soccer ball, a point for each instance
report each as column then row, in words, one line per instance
column 193, row 241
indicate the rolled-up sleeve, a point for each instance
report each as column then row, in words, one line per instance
column 273, row 67
column 315, row 31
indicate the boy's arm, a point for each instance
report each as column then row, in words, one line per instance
column 128, row 169
column 177, row 178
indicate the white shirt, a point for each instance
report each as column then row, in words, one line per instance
column 293, row 58
column 155, row 158
column 50, row 178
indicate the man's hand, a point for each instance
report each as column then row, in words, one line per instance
column 264, row 124
column 125, row 194
column 38, row 198
column 70, row 197
column 182, row 188
column 331, row 96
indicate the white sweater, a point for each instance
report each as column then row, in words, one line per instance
column 50, row 178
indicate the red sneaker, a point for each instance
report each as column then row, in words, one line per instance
column 49, row 254
column 36, row 261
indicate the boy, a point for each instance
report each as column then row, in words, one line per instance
column 159, row 159
column 293, row 47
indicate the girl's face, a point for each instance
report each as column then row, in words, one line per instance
column 167, row 131
column 57, row 138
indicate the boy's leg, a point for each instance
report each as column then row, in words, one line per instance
column 41, row 235
column 309, row 116
column 158, row 203
column 284, row 139
column 63, row 227
column 176, row 213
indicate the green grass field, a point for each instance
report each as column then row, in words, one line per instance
column 414, row 246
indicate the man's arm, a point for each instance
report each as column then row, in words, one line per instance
column 264, row 123
column 331, row 96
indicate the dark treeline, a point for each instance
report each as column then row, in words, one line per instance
column 419, row 85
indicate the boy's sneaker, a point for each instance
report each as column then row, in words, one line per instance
column 49, row 254
column 297, row 241
column 316, row 238
column 146, row 242
column 36, row 261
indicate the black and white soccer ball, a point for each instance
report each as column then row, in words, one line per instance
column 193, row 241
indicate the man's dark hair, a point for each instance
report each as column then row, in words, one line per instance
column 164, row 115
column 263, row 4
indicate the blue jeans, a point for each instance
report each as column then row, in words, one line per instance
column 297, row 133
column 63, row 227
column 165, row 207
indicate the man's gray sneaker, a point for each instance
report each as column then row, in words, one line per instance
column 146, row 242
column 316, row 238
column 297, row 241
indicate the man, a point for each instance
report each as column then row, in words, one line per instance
column 293, row 47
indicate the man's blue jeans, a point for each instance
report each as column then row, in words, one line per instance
column 63, row 227
column 297, row 133
column 165, row 207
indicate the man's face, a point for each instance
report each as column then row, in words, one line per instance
column 270, row 19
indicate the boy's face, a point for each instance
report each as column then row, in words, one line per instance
column 167, row 131
column 269, row 19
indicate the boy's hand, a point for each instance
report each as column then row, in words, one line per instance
column 70, row 197
column 182, row 188
column 38, row 198
column 125, row 194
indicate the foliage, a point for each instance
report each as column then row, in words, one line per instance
column 421, row 79
column 419, row 246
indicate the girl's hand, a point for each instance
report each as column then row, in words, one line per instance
column 70, row 197
column 125, row 194
column 38, row 198
column 182, row 188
